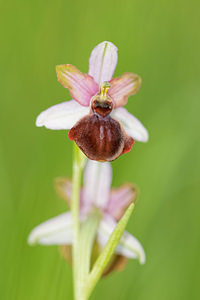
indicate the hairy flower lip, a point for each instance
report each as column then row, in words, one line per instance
column 95, row 193
column 102, row 63
column 101, row 138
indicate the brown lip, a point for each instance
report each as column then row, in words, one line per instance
column 101, row 138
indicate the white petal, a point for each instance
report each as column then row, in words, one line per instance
column 128, row 246
column 131, row 124
column 62, row 116
column 102, row 62
column 97, row 182
column 56, row 231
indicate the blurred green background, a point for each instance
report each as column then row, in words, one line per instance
column 157, row 39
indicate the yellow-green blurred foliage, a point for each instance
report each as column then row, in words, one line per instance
column 157, row 39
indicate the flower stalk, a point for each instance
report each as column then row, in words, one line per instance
column 78, row 165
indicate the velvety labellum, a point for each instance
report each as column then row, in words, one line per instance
column 101, row 138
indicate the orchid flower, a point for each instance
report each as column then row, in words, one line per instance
column 95, row 194
column 98, row 123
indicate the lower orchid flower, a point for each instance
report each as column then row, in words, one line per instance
column 98, row 124
column 97, row 195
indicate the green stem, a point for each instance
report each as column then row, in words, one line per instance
column 78, row 165
column 107, row 253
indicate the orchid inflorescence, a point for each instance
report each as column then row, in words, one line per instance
column 91, row 234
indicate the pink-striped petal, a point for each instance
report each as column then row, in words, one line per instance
column 120, row 198
column 131, row 124
column 124, row 86
column 81, row 86
column 102, row 62
column 128, row 246
column 97, row 182
column 62, row 116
